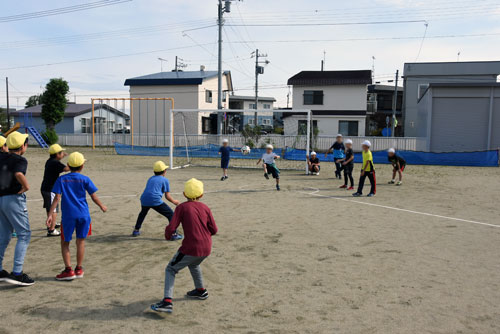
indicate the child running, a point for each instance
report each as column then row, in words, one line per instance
column 151, row 198
column 225, row 156
column 270, row 166
column 398, row 165
column 313, row 163
column 73, row 188
column 367, row 170
column 199, row 226
column 348, row 165
column 338, row 149
column 53, row 167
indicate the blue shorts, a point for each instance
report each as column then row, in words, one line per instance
column 224, row 163
column 81, row 225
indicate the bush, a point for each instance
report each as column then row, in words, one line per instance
column 50, row 137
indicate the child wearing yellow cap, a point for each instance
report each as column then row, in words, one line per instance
column 73, row 188
column 3, row 144
column 199, row 225
column 53, row 168
column 13, row 210
column 151, row 198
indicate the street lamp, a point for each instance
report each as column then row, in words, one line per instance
column 161, row 62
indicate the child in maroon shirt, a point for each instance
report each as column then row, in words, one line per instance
column 199, row 226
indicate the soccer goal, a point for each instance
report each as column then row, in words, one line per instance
column 192, row 142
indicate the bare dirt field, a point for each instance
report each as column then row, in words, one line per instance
column 308, row 259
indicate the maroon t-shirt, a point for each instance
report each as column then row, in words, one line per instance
column 198, row 225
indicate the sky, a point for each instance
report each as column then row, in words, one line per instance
column 95, row 50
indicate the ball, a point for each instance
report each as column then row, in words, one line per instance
column 245, row 150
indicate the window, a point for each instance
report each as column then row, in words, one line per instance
column 85, row 125
column 208, row 96
column 302, row 127
column 267, row 106
column 313, row 97
column 266, row 121
column 111, row 126
column 120, row 126
column 252, row 106
column 348, row 128
column 206, row 124
column 251, row 121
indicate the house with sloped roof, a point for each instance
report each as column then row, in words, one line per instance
column 77, row 119
column 337, row 100
column 189, row 89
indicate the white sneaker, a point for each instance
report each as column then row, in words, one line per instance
column 54, row 233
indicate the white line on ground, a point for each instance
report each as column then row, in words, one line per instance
column 315, row 192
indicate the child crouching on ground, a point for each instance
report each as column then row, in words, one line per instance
column 199, row 226
column 73, row 188
column 398, row 166
column 313, row 163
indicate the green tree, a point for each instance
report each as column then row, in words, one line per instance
column 54, row 102
column 33, row 100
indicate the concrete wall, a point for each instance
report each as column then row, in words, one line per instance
column 327, row 125
column 348, row 97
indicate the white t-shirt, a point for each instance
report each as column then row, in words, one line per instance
column 268, row 158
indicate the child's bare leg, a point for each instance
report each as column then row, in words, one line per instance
column 394, row 175
column 65, row 253
column 265, row 168
column 80, row 251
column 400, row 175
column 277, row 182
column 53, row 224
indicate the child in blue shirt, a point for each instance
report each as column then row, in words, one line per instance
column 73, row 189
column 338, row 149
column 225, row 156
column 151, row 198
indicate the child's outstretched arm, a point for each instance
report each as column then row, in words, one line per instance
column 98, row 202
column 171, row 199
column 56, row 200
column 258, row 162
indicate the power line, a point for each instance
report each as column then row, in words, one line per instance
column 62, row 10
column 323, row 24
column 422, row 43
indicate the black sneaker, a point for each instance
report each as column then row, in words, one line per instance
column 198, row 294
column 266, row 176
column 3, row 275
column 357, row 194
column 370, row 195
column 226, row 177
column 278, row 187
column 53, row 233
column 223, row 178
column 163, row 306
column 58, row 226
column 22, row 280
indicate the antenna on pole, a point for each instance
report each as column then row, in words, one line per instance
column 373, row 68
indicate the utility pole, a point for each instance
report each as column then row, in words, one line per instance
column 394, row 104
column 8, row 107
column 179, row 64
column 258, row 70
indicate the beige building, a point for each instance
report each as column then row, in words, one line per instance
column 189, row 89
column 337, row 100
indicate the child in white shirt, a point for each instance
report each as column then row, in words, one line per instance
column 270, row 166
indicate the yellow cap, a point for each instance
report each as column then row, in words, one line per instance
column 159, row 166
column 76, row 159
column 2, row 141
column 16, row 139
column 193, row 188
column 56, row 148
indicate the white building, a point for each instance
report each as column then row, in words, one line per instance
column 189, row 89
column 337, row 100
column 248, row 102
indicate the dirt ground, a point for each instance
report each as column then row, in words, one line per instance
column 308, row 259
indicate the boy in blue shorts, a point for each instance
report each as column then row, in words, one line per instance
column 73, row 188
column 157, row 186
column 225, row 156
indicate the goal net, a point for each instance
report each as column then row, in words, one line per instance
column 193, row 143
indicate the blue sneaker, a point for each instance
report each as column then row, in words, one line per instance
column 14, row 234
column 136, row 233
column 370, row 195
column 176, row 237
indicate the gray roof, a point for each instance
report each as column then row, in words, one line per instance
column 452, row 68
column 327, row 78
column 72, row 110
column 250, row 98
column 174, row 78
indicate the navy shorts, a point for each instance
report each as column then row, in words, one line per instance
column 81, row 225
column 273, row 171
column 224, row 163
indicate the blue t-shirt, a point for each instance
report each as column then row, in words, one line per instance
column 73, row 188
column 155, row 188
column 225, row 152
column 338, row 150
